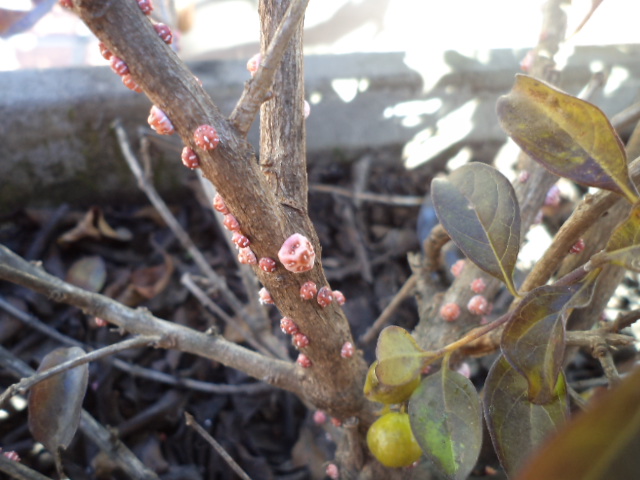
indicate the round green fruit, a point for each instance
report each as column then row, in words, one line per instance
column 391, row 440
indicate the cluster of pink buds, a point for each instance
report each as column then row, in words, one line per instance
column 247, row 257
column 325, row 297
column 120, row 67
column 347, row 350
column 219, row 205
column 146, row 6
column 297, row 254
column 265, row 297
column 308, row 290
column 479, row 305
column 159, row 121
column 164, row 32
column 206, row 137
column 303, row 361
column 12, row 455
column 450, row 312
column 300, row 340
column 267, row 264
column 254, row 63
column 288, row 326
column 190, row 158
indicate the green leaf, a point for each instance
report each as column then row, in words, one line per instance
column 400, row 359
column 516, row 425
column 566, row 135
column 446, row 419
column 533, row 340
column 477, row 206
column 602, row 443
column 55, row 404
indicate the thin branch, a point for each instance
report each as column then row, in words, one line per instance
column 17, row 470
column 257, row 90
column 587, row 338
column 26, row 383
column 602, row 353
column 395, row 200
column 623, row 321
column 191, row 422
column 142, row 322
column 183, row 237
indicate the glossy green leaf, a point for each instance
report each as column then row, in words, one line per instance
column 55, row 404
column 533, row 340
column 602, row 443
column 446, row 419
column 399, row 357
column 568, row 136
column 516, row 425
column 477, row 206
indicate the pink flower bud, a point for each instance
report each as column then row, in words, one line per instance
column 308, row 290
column 206, row 137
column 146, row 6
column 332, row 471
column 268, row 264
column 300, row 340
column 118, row 65
column 450, row 312
column 297, row 254
column 190, row 158
column 164, row 32
column 159, row 121
column 577, row 247
column 246, row 256
column 339, row 297
column 319, row 417
column 478, row 305
column 478, row 285
column 265, row 297
column 456, row 268
column 325, row 296
column 100, row 322
column 288, row 326
column 219, row 205
column 523, row 177
column 553, row 196
column 303, row 361
column 254, row 63
column 347, row 350
column 240, row 240
column 130, row 83
column 105, row 52
column 230, row 222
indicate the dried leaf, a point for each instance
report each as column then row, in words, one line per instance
column 602, row 443
column 94, row 225
column 568, row 136
column 55, row 404
column 89, row 273
column 148, row 282
column 477, row 206
column 399, row 357
column 516, row 425
column 446, row 419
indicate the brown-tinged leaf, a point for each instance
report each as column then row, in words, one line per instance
column 516, row 425
column 601, row 443
column 89, row 273
column 568, row 136
column 55, row 404
column 446, row 419
column 148, row 282
column 94, row 225
column 399, row 357
column 623, row 247
column 477, row 206
column 533, row 340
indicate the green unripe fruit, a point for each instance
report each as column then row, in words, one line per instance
column 391, row 440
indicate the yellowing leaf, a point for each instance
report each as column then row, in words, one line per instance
column 517, row 426
column 623, row 248
column 446, row 419
column 477, row 206
column 568, row 136
column 399, row 357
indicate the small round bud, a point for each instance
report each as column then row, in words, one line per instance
column 325, row 297
column 553, row 196
column 159, row 121
column 130, row 83
column 297, row 254
column 300, row 340
column 456, row 268
column 206, row 137
column 219, row 205
column 265, row 297
column 339, row 297
column 478, row 305
column 146, row 6
column 247, row 257
column 450, row 312
column 464, row 370
column 268, row 264
column 105, row 52
column 523, row 176
column 319, row 417
column 164, row 32
column 577, row 247
column 230, row 222
column 190, row 158
column 332, row 471
column 240, row 240
column 347, row 350
column 303, row 361
column 308, row 290
column 288, row 326
column 118, row 65
column 254, row 63
column 100, row 322
column 478, row 285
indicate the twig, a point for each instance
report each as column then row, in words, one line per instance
column 383, row 318
column 142, row 322
column 257, row 90
column 103, row 438
column 623, row 321
column 587, row 338
column 395, row 200
column 183, row 237
column 26, row 383
column 191, row 422
column 626, row 117
column 17, row 470
column 602, row 353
